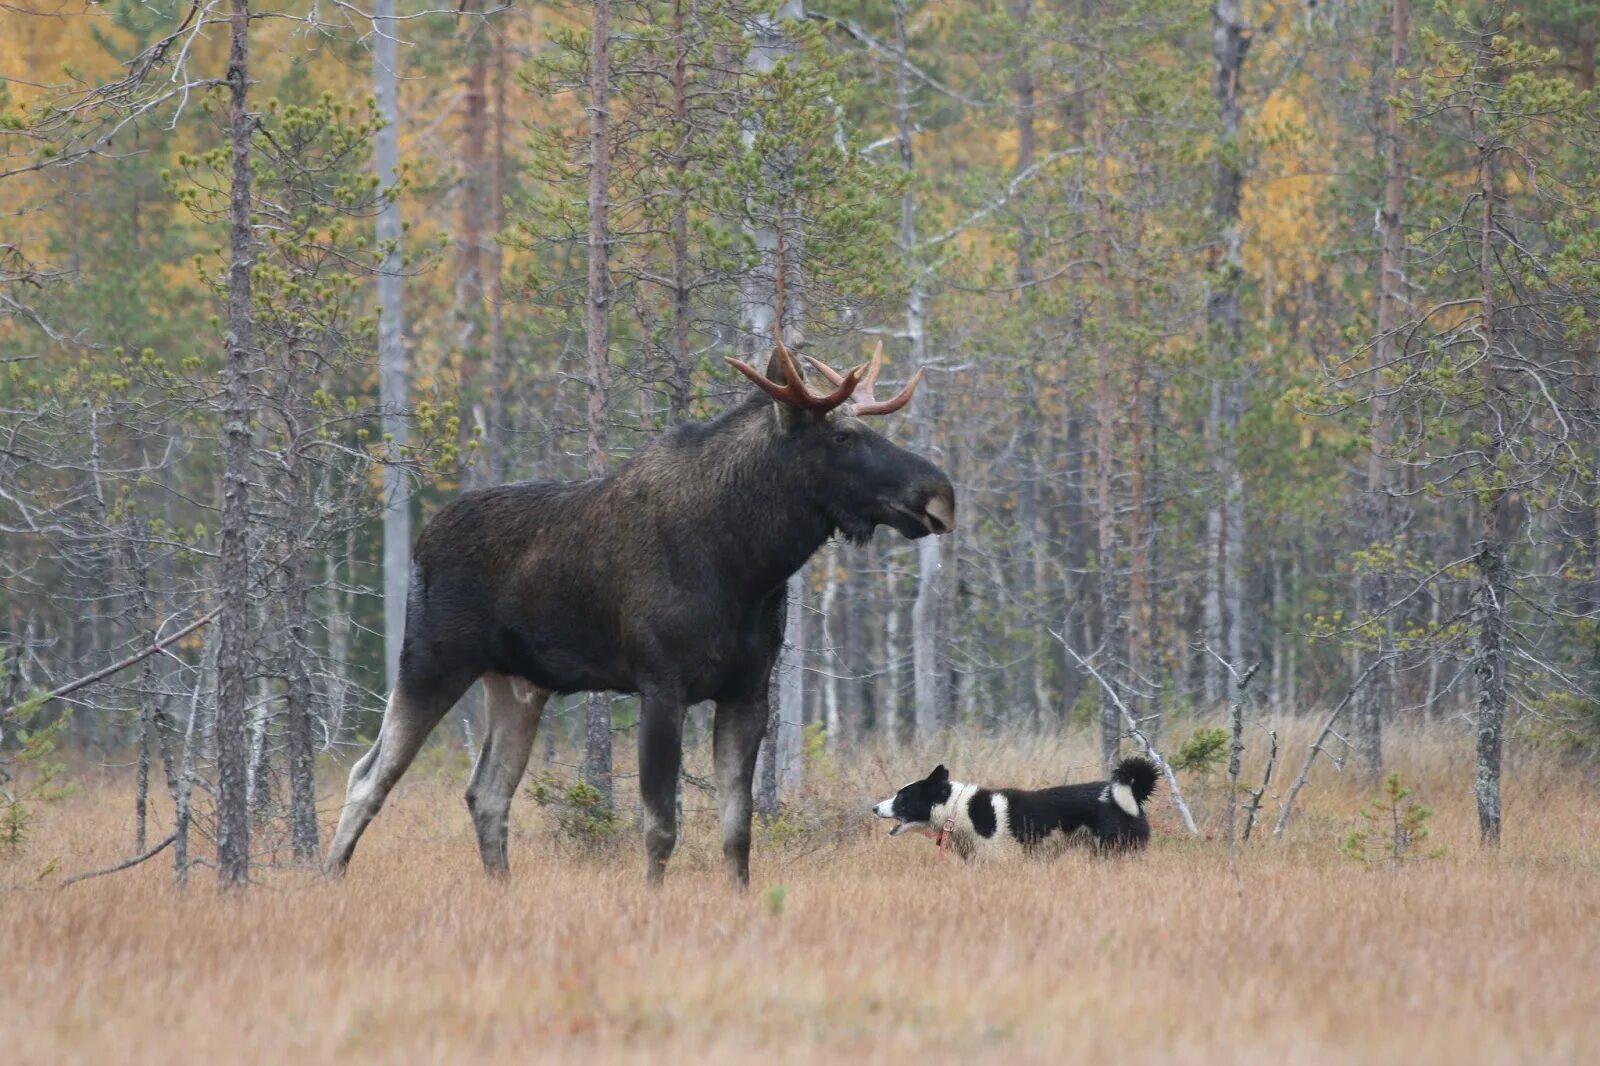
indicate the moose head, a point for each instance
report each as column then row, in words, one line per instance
column 856, row 476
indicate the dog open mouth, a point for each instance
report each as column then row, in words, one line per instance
column 901, row 825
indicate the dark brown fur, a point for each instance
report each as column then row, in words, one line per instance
column 665, row 579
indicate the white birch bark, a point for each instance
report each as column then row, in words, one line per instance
column 392, row 370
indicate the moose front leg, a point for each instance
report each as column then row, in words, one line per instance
column 660, row 757
column 739, row 727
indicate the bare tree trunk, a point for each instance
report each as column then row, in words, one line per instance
column 925, row 610
column 1074, row 583
column 597, row 734
column 1230, row 41
column 1279, row 628
column 1214, row 678
column 141, row 795
column 756, row 291
column 791, row 691
column 679, row 383
column 1494, row 583
column 392, row 385
column 474, row 138
column 1031, row 587
column 182, row 795
column 1106, row 551
column 1104, row 469
column 496, row 417
column 890, row 714
column 834, row 664
column 1140, row 638
column 1378, row 516
column 149, row 700
column 233, row 816
column 260, row 776
column 339, row 625
column 767, row 762
column 300, row 695
column 1293, row 683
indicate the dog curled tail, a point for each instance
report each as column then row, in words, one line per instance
column 1132, row 783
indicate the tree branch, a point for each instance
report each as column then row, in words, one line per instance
column 1322, row 735
column 894, row 55
column 121, row 664
column 119, row 867
column 1137, row 734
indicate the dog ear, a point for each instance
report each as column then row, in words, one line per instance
column 940, row 775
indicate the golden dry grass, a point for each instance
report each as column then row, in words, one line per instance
column 1290, row 954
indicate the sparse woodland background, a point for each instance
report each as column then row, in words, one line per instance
column 1257, row 335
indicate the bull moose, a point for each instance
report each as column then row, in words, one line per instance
column 666, row 579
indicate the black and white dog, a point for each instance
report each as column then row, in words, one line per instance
column 979, row 821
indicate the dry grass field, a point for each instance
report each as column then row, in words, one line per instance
column 850, row 947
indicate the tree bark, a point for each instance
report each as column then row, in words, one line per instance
column 597, row 734
column 791, row 691
column 678, row 386
column 835, row 665
column 925, row 610
column 756, row 290
column 495, row 427
column 300, row 694
column 1378, row 509
column 1031, row 588
column 233, row 816
column 1494, row 583
column 1230, row 42
column 392, row 384
column 474, row 151
column 892, row 719
column 1073, row 584
column 1111, row 616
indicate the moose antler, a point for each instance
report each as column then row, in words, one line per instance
column 864, row 402
column 793, row 391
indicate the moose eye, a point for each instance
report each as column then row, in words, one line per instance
column 841, row 437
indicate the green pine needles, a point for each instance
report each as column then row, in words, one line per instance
column 1394, row 829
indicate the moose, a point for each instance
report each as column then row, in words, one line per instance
column 665, row 578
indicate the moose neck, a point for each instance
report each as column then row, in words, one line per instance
column 749, row 505
column 779, row 524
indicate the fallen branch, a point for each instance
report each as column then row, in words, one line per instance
column 119, row 867
column 1311, row 756
column 122, row 664
column 1138, row 735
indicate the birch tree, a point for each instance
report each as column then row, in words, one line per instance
column 392, row 370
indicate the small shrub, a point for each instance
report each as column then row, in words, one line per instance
column 581, row 815
column 1394, row 828
column 1204, row 750
column 31, row 754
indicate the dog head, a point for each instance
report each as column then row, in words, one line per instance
column 912, row 807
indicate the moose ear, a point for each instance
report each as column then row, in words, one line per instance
column 778, row 373
column 789, row 416
column 940, row 775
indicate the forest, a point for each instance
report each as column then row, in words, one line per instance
column 1260, row 341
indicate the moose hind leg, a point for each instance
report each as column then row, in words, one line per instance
column 407, row 721
column 513, row 708
column 739, row 728
column 660, row 758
